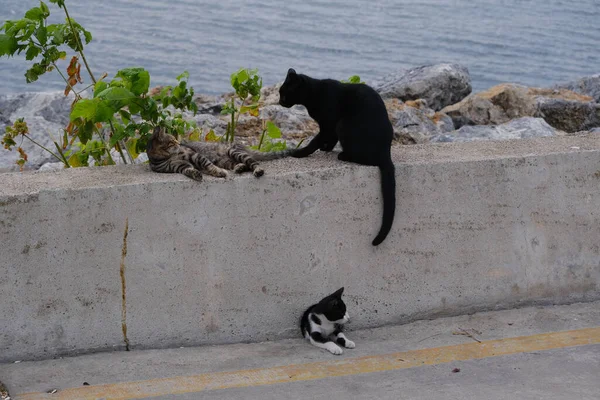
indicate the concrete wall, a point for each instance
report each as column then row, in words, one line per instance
column 478, row 226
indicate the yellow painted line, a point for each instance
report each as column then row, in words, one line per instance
column 324, row 369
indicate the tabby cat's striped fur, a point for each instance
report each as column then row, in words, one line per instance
column 191, row 159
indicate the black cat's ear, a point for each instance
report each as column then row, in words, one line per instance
column 338, row 293
column 291, row 72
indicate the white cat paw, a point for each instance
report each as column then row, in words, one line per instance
column 349, row 344
column 334, row 348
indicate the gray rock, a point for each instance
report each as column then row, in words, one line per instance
column 3, row 120
column 291, row 121
column 208, row 122
column 213, row 108
column 414, row 123
column 568, row 115
column 52, row 166
column 521, row 128
column 270, row 94
column 51, row 106
column 440, row 85
column 589, row 86
column 42, row 132
column 595, row 130
column 563, row 109
column 45, row 114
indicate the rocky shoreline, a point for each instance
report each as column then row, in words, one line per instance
column 427, row 104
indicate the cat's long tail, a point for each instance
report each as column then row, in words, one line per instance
column 266, row 156
column 388, row 190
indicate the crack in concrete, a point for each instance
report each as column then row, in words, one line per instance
column 123, row 286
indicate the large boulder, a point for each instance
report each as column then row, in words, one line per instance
column 440, row 85
column 589, row 86
column 568, row 115
column 208, row 121
column 505, row 102
column 269, row 95
column 46, row 115
column 521, row 128
column 293, row 122
column 414, row 122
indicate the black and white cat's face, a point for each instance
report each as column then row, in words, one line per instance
column 293, row 90
column 333, row 308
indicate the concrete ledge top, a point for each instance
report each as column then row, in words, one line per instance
column 15, row 183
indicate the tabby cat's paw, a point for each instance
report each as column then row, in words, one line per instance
column 333, row 348
column 349, row 344
column 194, row 174
column 239, row 168
column 258, row 172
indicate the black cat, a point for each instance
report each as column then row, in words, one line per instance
column 355, row 115
column 323, row 321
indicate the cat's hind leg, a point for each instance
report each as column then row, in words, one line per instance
column 204, row 164
column 240, row 156
column 316, row 339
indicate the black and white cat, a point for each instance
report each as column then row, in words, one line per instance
column 322, row 324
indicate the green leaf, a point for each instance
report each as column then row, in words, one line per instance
column 117, row 97
column 195, row 135
column 211, row 137
column 60, row 3
column 87, row 35
column 93, row 110
column 99, row 87
column 125, row 116
column 32, row 52
column 42, row 35
column 137, row 79
column 131, row 145
column 86, row 132
column 35, row 13
column 75, row 161
column 120, row 133
column 33, row 73
column 273, row 131
column 251, row 109
column 239, row 77
column 183, row 75
column 8, row 45
column 44, row 8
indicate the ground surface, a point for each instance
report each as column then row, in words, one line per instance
column 532, row 353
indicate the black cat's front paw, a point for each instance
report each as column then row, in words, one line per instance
column 343, row 157
column 327, row 147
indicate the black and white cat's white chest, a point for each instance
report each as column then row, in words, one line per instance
column 320, row 323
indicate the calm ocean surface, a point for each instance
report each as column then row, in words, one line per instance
column 534, row 42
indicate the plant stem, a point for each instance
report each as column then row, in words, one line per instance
column 37, row 144
column 233, row 121
column 239, row 113
column 77, row 96
column 79, row 45
column 261, row 139
column 89, row 70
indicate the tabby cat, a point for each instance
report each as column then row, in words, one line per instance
column 355, row 115
column 168, row 155
column 324, row 321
